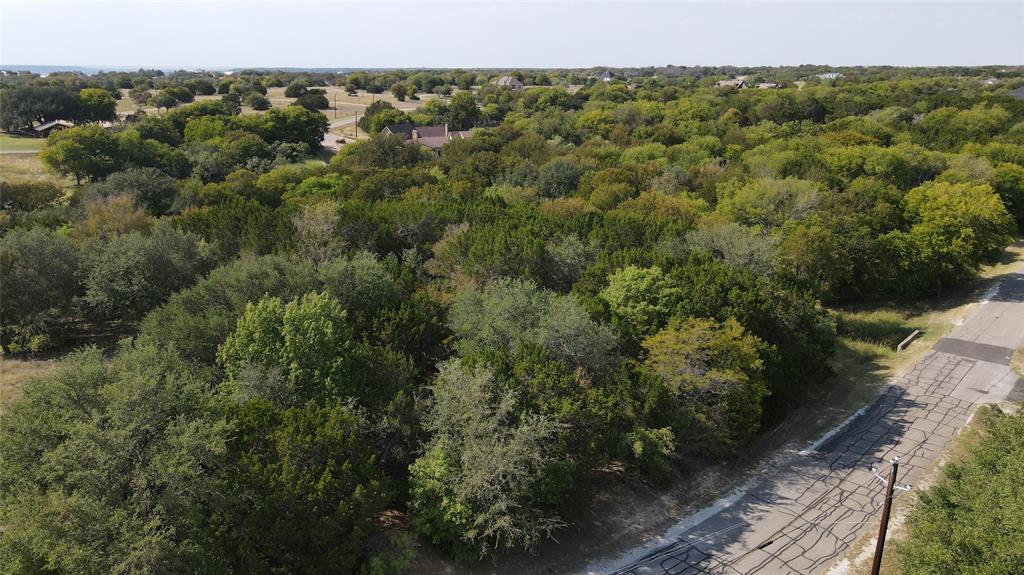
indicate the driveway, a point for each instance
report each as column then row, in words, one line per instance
column 807, row 508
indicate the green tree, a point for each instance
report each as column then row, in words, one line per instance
column 150, row 188
column 312, row 101
column 111, row 467
column 198, row 319
column 385, row 118
column 163, row 100
column 257, row 101
column 955, row 228
column 639, row 298
column 294, row 124
column 558, row 178
column 474, row 490
column 361, row 283
column 463, row 112
column 28, row 196
column 296, row 89
column 310, row 340
column 20, row 107
column 713, row 376
column 131, row 274
column 97, row 105
column 306, row 490
column 39, row 281
column 83, row 152
column 399, row 91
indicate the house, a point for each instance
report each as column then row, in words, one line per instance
column 43, row 130
column 830, row 75
column 433, row 137
column 510, row 82
column 991, row 82
column 735, row 83
column 405, row 130
column 606, row 76
column 768, row 85
column 1017, row 93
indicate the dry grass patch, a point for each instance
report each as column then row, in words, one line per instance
column 15, row 372
column 28, row 167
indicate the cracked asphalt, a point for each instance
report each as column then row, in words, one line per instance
column 809, row 508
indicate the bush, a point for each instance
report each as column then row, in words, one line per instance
column 198, row 319
column 131, row 274
column 970, row 521
column 28, row 196
column 40, row 279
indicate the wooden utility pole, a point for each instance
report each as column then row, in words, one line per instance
column 890, row 485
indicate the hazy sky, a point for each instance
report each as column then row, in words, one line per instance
column 509, row 34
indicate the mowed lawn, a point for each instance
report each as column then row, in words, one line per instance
column 21, row 144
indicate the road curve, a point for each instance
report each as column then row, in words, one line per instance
column 808, row 508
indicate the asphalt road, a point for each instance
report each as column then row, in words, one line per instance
column 330, row 140
column 808, row 508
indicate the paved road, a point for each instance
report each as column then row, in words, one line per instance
column 810, row 507
column 330, row 140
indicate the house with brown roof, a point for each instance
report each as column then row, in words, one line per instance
column 510, row 82
column 433, row 137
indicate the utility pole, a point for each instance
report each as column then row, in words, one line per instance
column 890, row 484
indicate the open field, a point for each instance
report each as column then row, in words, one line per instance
column 28, row 167
column 342, row 105
column 20, row 144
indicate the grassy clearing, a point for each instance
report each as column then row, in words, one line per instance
column 15, row 372
column 20, row 144
column 28, row 167
column 341, row 104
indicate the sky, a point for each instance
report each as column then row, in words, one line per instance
column 504, row 34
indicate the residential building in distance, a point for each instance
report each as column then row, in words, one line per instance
column 510, row 82
column 43, row 130
column 734, row 83
column 433, row 137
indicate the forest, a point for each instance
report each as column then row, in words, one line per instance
column 321, row 358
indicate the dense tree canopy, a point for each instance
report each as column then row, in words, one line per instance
column 325, row 356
